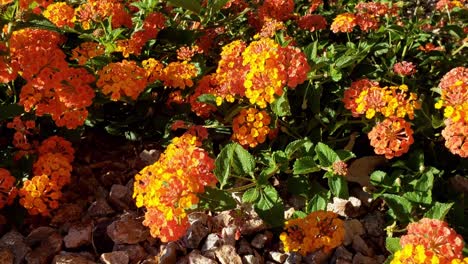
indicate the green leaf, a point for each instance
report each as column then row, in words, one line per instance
column 419, row 197
column 298, row 185
column 345, row 155
column 377, row 178
column 192, row 5
column 392, row 244
column 326, row 155
column 251, row 195
column 207, row 98
column 400, row 206
column 233, row 158
column 216, row 5
column 338, row 186
column 438, row 210
column 216, row 200
column 317, row 203
column 281, row 106
column 335, row 74
column 305, row 165
column 295, row 146
column 8, row 111
column 270, row 207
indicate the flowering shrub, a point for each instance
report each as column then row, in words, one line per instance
column 275, row 93
column 168, row 187
column 318, row 230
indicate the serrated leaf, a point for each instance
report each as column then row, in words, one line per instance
column 295, row 146
column 216, row 200
column 400, row 206
column 345, row 155
column 338, row 186
column 233, row 158
column 305, row 165
column 438, row 210
column 317, row 203
column 251, row 195
column 281, row 106
column 326, row 155
column 377, row 177
column 270, row 207
column 392, row 244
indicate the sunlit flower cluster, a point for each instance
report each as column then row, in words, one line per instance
column 319, row 230
column 52, row 88
column 40, row 195
column 259, row 71
column 87, row 51
column 448, row 5
column 404, row 68
column 7, row 72
column 179, row 74
column 99, row 11
column 454, row 101
column 152, row 24
column 414, row 254
column 186, row 53
column 367, row 17
column 52, row 171
column 168, row 187
column 430, row 238
column 388, row 101
column 280, row 10
column 312, row 22
column 251, row 127
column 8, row 190
column 353, row 92
column 124, row 78
column 206, row 85
column 392, row 137
column 60, row 14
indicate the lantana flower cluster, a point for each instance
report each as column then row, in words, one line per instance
column 320, row 230
column 168, row 188
column 430, row 241
column 251, row 127
column 8, row 190
column 52, row 170
column 259, row 71
column 454, row 102
column 367, row 17
column 52, row 86
column 393, row 136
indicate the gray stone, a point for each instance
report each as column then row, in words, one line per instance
column 317, row 257
column 342, row 255
column 361, row 259
column 228, row 235
column 374, row 223
column 196, row 258
column 120, row 197
column 359, row 245
column 48, row 248
column 115, row 257
column 100, row 208
column 14, row 241
column 352, row 228
column 277, row 256
column 244, row 248
column 136, row 253
column 293, row 258
column 78, row 235
column 226, row 254
column 127, row 230
column 250, row 259
column 169, row 254
column 260, row 240
column 212, row 241
column 71, row 259
column 195, row 234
